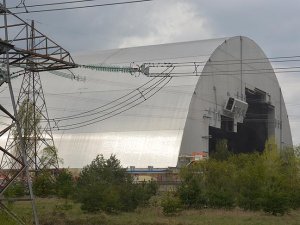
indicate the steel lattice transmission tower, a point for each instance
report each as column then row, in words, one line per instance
column 35, row 125
column 25, row 51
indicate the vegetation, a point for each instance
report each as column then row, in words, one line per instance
column 171, row 204
column 269, row 181
column 30, row 122
column 43, row 184
column 49, row 158
column 64, row 185
column 105, row 186
column 225, row 189
column 51, row 214
column 17, row 189
column 222, row 152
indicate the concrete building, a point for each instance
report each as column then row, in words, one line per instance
column 225, row 89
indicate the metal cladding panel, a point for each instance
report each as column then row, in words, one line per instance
column 225, row 76
column 149, row 134
column 175, row 119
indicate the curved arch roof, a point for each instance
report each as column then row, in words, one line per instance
column 156, row 124
column 148, row 134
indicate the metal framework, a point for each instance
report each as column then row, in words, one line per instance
column 43, row 55
column 26, row 51
column 35, row 126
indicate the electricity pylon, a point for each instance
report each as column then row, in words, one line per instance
column 24, row 47
column 35, row 124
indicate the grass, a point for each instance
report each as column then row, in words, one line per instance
column 54, row 212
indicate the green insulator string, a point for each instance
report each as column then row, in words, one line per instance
column 108, row 68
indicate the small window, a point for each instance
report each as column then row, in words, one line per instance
column 229, row 104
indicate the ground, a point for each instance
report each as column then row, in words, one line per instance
column 53, row 212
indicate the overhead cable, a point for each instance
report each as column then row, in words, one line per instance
column 113, row 113
column 115, row 107
column 23, row 5
column 86, row 6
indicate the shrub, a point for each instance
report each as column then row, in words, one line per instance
column 155, row 201
column 275, row 202
column 220, row 199
column 64, row 184
column 192, row 188
column 105, row 186
column 268, row 181
column 43, row 184
column 17, row 189
column 171, row 204
column 249, row 181
column 222, row 152
column 220, row 184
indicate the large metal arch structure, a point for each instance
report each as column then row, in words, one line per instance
column 176, row 121
column 253, row 73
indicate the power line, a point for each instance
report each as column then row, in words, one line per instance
column 87, row 6
column 199, row 64
column 235, row 61
column 129, row 95
column 115, row 107
column 145, row 69
column 114, row 113
column 139, row 96
column 49, row 4
column 222, row 73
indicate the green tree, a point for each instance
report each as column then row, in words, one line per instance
column 208, row 183
column 290, row 168
column 105, row 185
column 275, row 196
column 43, row 184
column 249, row 180
column 49, row 157
column 269, row 181
column 29, row 120
column 17, row 189
column 220, row 184
column 297, row 151
column 64, row 184
column 192, row 190
column 171, row 204
column 222, row 152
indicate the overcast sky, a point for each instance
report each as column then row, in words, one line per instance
column 272, row 24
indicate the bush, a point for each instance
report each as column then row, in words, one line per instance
column 155, row 201
column 249, row 181
column 105, row 186
column 192, row 188
column 64, row 184
column 17, row 189
column 43, row 184
column 134, row 195
column 275, row 202
column 294, row 197
column 268, row 181
column 171, row 204
column 220, row 199
column 220, row 184
column 222, row 152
